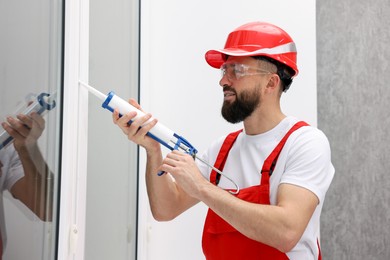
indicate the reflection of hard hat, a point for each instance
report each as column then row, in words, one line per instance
column 257, row 39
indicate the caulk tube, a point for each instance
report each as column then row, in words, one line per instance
column 43, row 103
column 159, row 132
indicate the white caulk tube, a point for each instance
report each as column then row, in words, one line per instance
column 159, row 132
column 44, row 102
column 163, row 133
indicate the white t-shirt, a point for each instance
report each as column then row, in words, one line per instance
column 305, row 161
column 10, row 172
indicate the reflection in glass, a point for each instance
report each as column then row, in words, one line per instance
column 30, row 80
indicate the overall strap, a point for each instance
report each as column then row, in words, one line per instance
column 319, row 250
column 270, row 162
column 222, row 156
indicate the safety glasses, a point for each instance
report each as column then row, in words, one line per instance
column 235, row 71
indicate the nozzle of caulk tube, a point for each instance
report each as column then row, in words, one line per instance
column 94, row 91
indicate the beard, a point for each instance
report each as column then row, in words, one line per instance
column 244, row 105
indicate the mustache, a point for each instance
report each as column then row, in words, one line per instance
column 229, row 88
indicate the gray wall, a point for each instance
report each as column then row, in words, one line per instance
column 353, row 103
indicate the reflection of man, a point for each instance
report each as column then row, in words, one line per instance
column 23, row 171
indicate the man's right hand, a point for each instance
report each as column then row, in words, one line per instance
column 25, row 129
column 133, row 130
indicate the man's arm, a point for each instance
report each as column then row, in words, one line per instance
column 167, row 200
column 35, row 189
column 280, row 226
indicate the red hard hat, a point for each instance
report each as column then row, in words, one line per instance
column 257, row 39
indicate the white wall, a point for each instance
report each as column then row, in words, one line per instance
column 182, row 91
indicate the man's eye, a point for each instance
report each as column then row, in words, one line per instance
column 238, row 71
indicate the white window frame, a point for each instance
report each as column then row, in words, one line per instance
column 75, row 128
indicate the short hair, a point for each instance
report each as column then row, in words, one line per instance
column 284, row 72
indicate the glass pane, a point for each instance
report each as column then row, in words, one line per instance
column 30, row 80
column 112, row 161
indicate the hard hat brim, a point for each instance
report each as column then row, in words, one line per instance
column 215, row 58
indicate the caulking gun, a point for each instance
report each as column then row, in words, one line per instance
column 159, row 132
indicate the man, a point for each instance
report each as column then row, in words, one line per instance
column 268, row 201
column 23, row 171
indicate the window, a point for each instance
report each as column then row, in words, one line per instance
column 30, row 75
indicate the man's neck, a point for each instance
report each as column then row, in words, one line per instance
column 259, row 122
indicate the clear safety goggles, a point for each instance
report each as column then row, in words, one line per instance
column 235, row 71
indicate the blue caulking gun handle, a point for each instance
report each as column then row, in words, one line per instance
column 44, row 102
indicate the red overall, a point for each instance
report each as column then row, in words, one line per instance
column 222, row 241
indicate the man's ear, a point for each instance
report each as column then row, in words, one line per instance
column 273, row 82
